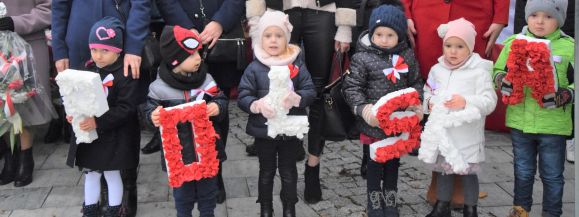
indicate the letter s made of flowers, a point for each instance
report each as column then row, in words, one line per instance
column 394, row 120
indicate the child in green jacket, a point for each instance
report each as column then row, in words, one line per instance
column 540, row 128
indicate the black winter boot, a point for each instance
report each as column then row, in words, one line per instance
column 129, row 177
column 312, row 190
column 266, row 209
column 154, row 145
column 440, row 209
column 221, row 195
column 25, row 168
column 113, row 211
column 469, row 211
column 10, row 165
column 90, row 210
column 365, row 154
column 390, row 209
column 375, row 204
column 289, row 210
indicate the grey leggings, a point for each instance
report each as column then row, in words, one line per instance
column 445, row 186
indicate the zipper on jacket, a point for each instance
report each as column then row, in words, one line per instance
column 202, row 8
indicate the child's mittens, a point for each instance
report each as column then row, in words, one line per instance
column 562, row 97
column 368, row 116
column 292, row 99
column 260, row 106
column 505, row 86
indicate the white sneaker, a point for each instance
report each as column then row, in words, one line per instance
column 570, row 151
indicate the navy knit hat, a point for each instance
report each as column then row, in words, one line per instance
column 388, row 16
column 107, row 33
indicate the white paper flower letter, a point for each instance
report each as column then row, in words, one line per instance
column 83, row 96
column 435, row 139
column 279, row 86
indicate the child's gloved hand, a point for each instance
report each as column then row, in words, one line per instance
column 505, row 86
column 368, row 116
column 155, row 116
column 562, row 97
column 212, row 109
column 260, row 106
column 292, row 99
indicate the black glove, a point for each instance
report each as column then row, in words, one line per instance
column 562, row 97
column 505, row 86
column 6, row 24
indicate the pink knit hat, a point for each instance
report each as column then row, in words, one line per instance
column 269, row 18
column 460, row 28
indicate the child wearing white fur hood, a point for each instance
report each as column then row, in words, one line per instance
column 458, row 95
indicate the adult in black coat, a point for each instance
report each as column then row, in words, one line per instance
column 211, row 19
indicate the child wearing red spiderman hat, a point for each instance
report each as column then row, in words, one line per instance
column 183, row 78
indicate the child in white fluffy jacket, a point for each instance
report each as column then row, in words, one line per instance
column 459, row 95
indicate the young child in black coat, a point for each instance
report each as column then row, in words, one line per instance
column 117, row 146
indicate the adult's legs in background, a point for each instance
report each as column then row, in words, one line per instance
column 315, row 30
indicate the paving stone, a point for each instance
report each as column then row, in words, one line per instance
column 5, row 213
column 152, row 173
column 236, row 187
column 237, row 152
column 496, row 196
column 240, row 168
column 57, row 159
column 156, row 209
column 153, row 192
column 23, row 198
column 49, row 212
column 65, row 196
column 42, row 151
column 497, row 155
column 496, row 172
column 49, row 178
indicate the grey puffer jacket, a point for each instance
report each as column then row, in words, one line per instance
column 367, row 83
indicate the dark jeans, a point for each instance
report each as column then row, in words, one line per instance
column 551, row 151
column 271, row 154
column 204, row 192
column 315, row 30
column 386, row 173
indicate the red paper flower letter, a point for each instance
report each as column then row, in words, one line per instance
column 205, row 136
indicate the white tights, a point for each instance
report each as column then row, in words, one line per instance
column 92, row 187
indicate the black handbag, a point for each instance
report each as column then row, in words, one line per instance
column 338, row 121
column 230, row 48
column 151, row 54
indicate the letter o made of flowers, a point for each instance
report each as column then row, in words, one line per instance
column 205, row 136
column 394, row 120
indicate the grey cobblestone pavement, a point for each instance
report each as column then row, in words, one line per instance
column 57, row 189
